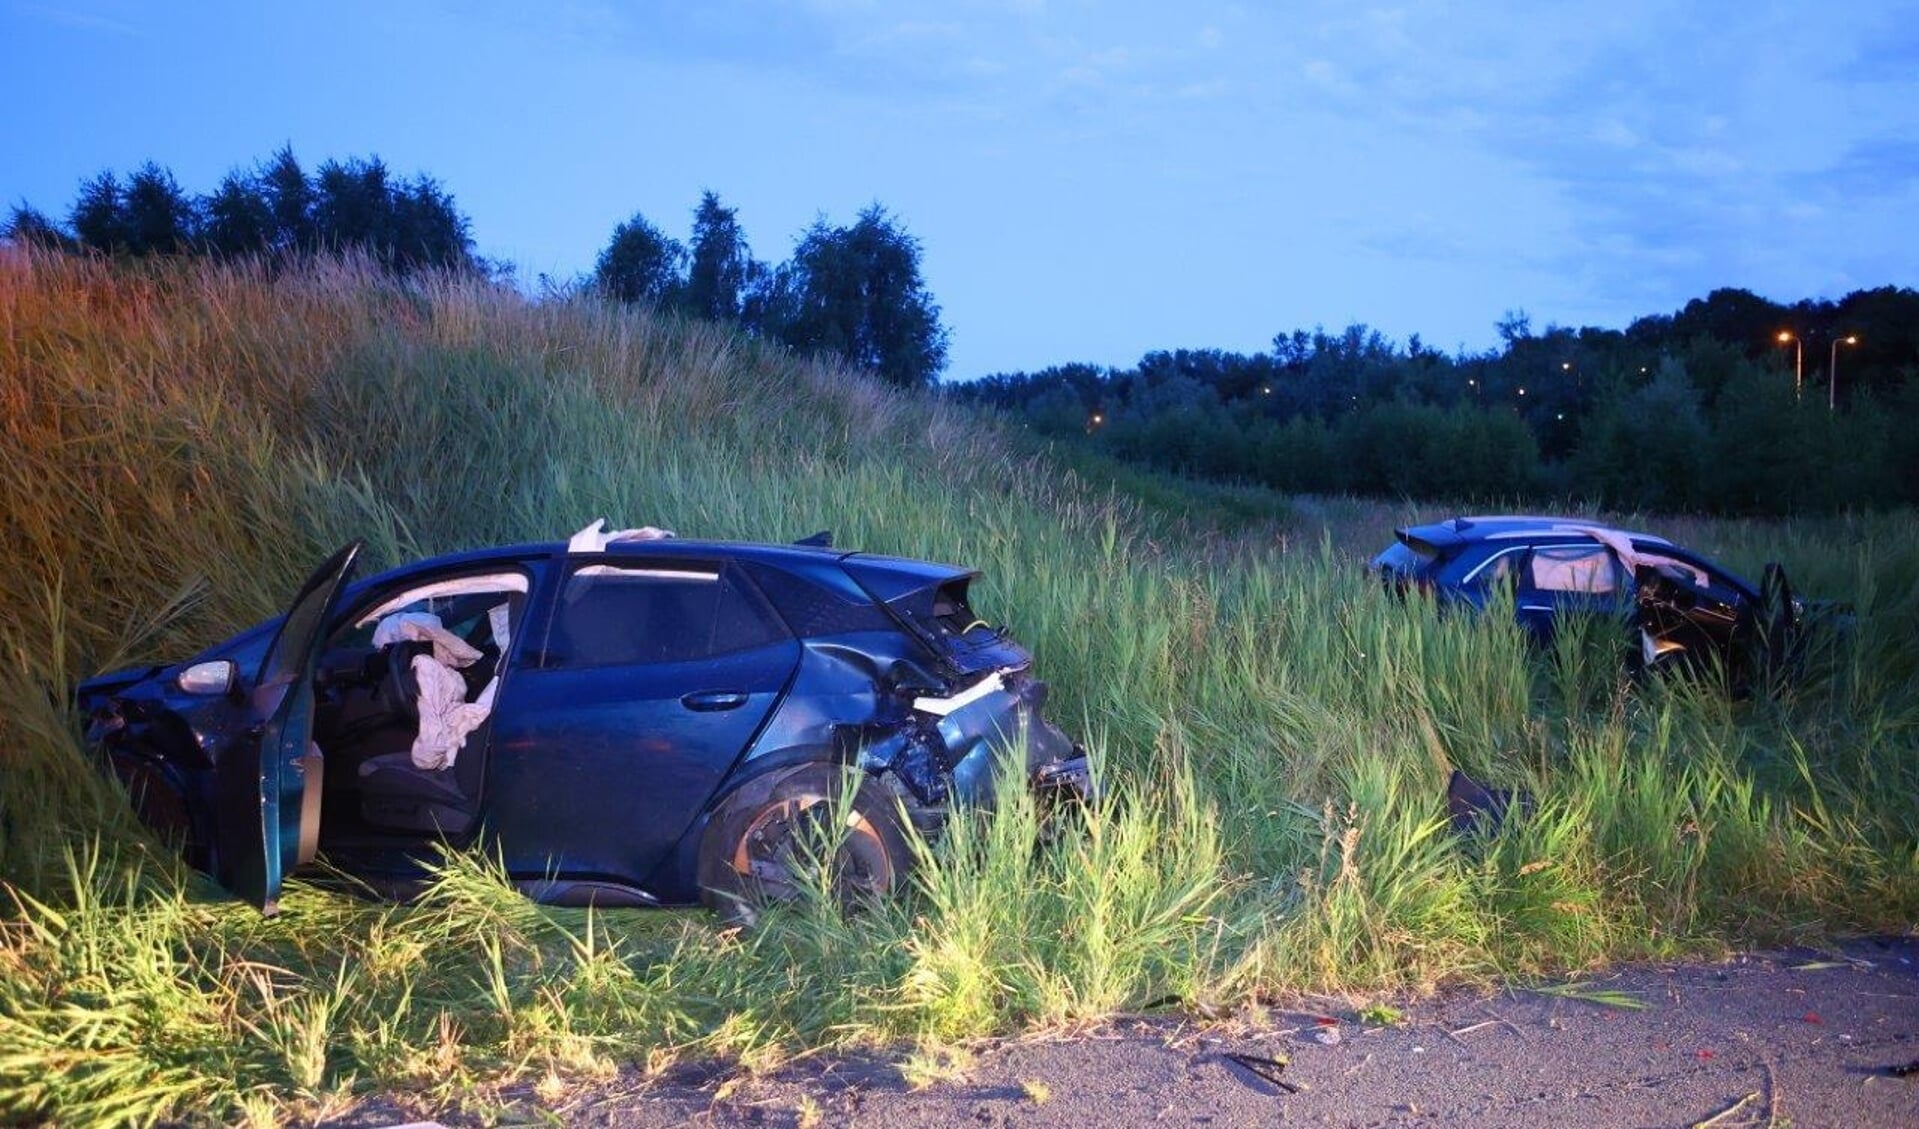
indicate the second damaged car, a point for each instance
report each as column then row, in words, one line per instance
column 624, row 719
column 1684, row 611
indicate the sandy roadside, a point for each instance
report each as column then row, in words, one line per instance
column 1800, row 1038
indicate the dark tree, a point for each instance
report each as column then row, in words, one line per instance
column 721, row 267
column 149, row 215
column 427, row 230
column 1886, row 322
column 289, row 196
column 237, row 219
column 640, row 264
column 856, row 291
column 771, row 302
column 29, row 226
column 99, row 216
column 406, row 225
column 1514, row 326
column 1735, row 317
column 353, row 206
column 157, row 218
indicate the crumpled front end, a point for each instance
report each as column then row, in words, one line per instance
column 947, row 751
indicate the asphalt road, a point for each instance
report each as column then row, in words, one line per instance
column 1798, row 1038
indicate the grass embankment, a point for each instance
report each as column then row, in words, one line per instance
column 182, row 443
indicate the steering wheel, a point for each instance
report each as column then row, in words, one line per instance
column 400, row 689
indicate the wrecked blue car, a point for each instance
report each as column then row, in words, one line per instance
column 1685, row 613
column 625, row 719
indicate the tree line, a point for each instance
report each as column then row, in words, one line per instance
column 1733, row 404
column 1704, row 410
column 274, row 209
column 852, row 291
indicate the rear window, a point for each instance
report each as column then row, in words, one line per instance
column 1403, row 561
column 811, row 609
column 952, row 610
column 617, row 615
column 946, row 613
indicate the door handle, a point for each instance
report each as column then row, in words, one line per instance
column 710, row 701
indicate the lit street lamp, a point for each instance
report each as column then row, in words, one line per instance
column 1832, row 371
column 1578, row 372
column 1798, row 363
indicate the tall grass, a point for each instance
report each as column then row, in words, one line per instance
column 183, row 441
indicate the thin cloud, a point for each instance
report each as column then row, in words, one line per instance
column 79, row 21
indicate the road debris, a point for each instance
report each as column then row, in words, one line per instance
column 1604, row 997
column 1264, row 1068
column 1327, row 1032
column 1723, row 1114
column 1476, row 810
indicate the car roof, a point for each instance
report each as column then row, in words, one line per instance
column 1453, row 533
column 887, row 575
column 669, row 546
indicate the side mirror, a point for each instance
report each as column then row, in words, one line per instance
column 209, row 678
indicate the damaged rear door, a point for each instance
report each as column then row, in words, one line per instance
column 651, row 680
column 1581, row 578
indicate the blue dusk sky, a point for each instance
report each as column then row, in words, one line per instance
column 1089, row 180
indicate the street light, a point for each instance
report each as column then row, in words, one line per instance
column 1798, row 363
column 1832, row 371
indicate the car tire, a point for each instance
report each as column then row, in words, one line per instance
column 159, row 803
column 754, row 850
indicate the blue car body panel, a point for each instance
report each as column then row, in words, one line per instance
column 606, row 768
column 602, row 770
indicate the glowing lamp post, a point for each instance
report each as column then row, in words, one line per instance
column 1832, row 372
column 1798, row 363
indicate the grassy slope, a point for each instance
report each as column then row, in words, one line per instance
column 182, row 444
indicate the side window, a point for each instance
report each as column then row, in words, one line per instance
column 1499, row 570
column 1677, row 570
column 483, row 609
column 1584, row 569
column 1492, row 573
column 615, row 614
column 812, row 610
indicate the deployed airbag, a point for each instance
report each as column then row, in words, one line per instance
column 594, row 538
column 425, row 627
column 446, row 717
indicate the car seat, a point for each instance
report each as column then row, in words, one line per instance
column 395, row 792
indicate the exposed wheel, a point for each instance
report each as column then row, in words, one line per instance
column 767, row 841
column 158, row 803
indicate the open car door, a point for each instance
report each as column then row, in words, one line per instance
column 1774, row 628
column 267, row 784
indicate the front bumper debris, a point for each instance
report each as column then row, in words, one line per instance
column 1069, row 780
